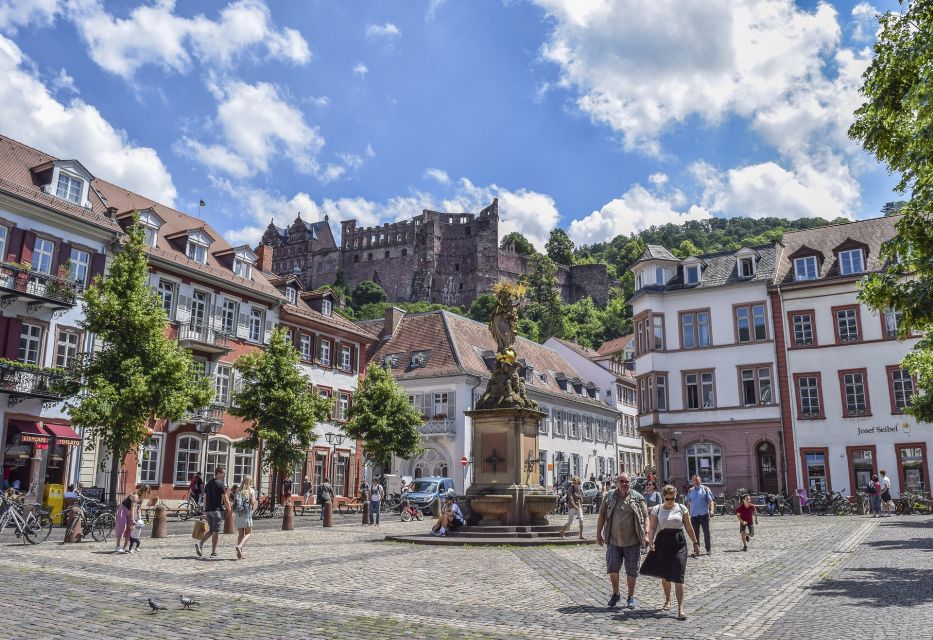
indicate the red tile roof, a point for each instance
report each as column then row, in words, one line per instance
column 616, row 345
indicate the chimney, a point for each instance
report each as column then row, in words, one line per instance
column 393, row 315
column 264, row 258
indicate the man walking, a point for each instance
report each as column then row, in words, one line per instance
column 325, row 494
column 885, row 483
column 376, row 494
column 621, row 524
column 702, row 507
column 215, row 502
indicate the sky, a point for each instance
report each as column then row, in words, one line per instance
column 602, row 117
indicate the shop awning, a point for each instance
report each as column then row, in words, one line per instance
column 63, row 434
column 30, row 432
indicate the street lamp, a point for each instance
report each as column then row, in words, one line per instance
column 335, row 440
column 205, row 425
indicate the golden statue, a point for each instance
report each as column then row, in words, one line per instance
column 506, row 389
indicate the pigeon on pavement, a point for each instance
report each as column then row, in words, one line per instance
column 189, row 602
column 156, row 606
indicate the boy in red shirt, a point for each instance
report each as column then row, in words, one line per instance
column 746, row 513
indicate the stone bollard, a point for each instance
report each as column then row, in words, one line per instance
column 365, row 512
column 75, row 534
column 229, row 522
column 328, row 513
column 795, row 505
column 158, row 522
column 438, row 508
column 288, row 519
column 859, row 505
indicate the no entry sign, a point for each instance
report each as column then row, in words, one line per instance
column 464, row 461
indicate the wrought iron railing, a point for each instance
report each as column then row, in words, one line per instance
column 22, row 281
column 212, row 414
column 438, row 426
column 204, row 334
column 22, row 381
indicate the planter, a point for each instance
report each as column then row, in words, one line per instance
column 538, row 505
column 492, row 508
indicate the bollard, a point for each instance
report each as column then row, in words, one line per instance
column 365, row 512
column 860, row 505
column 288, row 520
column 438, row 508
column 158, row 522
column 75, row 534
column 229, row 523
column 328, row 513
column 795, row 505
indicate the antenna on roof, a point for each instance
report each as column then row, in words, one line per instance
column 201, row 205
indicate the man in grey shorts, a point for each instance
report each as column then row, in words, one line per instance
column 621, row 525
column 215, row 502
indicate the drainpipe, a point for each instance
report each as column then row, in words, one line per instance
column 469, row 455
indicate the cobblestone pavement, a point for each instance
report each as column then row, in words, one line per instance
column 803, row 577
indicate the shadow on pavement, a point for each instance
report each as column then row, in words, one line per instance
column 914, row 586
column 585, row 608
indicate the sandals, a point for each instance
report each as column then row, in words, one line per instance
column 667, row 606
column 681, row 615
column 239, row 554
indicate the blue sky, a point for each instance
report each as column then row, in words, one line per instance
column 600, row 116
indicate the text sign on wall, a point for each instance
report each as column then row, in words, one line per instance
column 879, row 429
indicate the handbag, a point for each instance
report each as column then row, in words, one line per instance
column 199, row 530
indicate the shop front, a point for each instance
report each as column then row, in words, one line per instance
column 37, row 452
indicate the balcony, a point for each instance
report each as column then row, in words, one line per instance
column 438, row 427
column 205, row 416
column 40, row 289
column 22, row 381
column 204, row 338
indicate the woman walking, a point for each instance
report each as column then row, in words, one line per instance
column 574, row 506
column 668, row 549
column 652, row 495
column 127, row 516
column 244, row 501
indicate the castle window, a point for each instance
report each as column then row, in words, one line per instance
column 386, row 254
column 456, row 266
column 356, row 258
column 461, row 286
column 404, row 252
column 469, row 231
column 369, row 256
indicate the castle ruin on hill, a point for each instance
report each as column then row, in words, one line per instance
column 446, row 258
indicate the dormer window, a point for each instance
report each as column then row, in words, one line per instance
column 326, row 307
column 150, row 223
column 851, row 261
column 244, row 269
column 805, row 268
column 69, row 187
column 197, row 252
column 659, row 276
column 291, row 294
column 746, row 267
column 692, row 274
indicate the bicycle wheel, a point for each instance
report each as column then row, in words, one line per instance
column 102, row 526
column 44, row 528
column 184, row 511
column 419, row 515
column 842, row 508
column 406, row 516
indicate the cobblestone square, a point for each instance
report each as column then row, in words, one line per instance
column 803, row 577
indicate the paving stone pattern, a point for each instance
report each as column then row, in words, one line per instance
column 803, row 577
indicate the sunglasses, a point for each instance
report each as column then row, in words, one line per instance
column 623, row 482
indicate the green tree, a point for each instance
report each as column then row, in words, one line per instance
column 560, row 247
column 382, row 418
column 687, row 248
column 367, row 292
column 894, row 124
column 138, row 374
column 482, row 307
column 584, row 322
column 279, row 404
column 522, row 246
column 545, row 306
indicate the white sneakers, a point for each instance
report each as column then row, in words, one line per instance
column 119, row 550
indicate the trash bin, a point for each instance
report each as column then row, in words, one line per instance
column 54, row 498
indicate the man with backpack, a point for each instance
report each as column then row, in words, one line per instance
column 621, row 525
column 702, row 506
column 874, row 496
column 325, row 494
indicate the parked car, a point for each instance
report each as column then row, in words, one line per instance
column 427, row 490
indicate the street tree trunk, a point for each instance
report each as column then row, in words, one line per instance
column 116, row 461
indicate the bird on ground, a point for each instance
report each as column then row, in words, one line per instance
column 156, row 606
column 189, row 602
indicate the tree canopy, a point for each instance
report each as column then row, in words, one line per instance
column 138, row 374
column 894, row 124
column 520, row 242
column 560, row 247
column 367, row 292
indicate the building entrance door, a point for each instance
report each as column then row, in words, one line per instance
column 767, row 468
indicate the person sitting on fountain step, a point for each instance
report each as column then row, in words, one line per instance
column 450, row 518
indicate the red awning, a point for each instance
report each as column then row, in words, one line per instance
column 30, row 431
column 64, row 434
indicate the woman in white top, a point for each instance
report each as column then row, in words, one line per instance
column 243, row 504
column 668, row 560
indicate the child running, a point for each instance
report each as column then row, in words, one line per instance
column 135, row 534
column 746, row 514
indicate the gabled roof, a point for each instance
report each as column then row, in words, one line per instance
column 870, row 234
column 656, row 252
column 615, row 346
column 580, row 350
column 721, row 269
column 335, row 320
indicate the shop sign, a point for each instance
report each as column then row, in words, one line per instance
column 41, row 446
column 34, row 437
column 878, row 429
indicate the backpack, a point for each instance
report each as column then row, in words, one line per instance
column 240, row 502
column 870, row 490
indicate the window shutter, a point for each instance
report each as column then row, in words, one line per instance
column 218, row 313
column 64, row 254
column 237, row 387
column 29, row 242
column 242, row 327
column 183, row 308
column 14, row 328
column 98, row 261
column 451, row 404
column 270, row 326
column 14, row 246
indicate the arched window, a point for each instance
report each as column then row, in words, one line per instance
column 187, row 459
column 705, row 460
column 431, row 463
column 217, row 455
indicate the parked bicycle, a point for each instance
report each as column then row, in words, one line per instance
column 190, row 508
column 410, row 512
column 824, row 503
column 34, row 527
column 95, row 517
column 909, row 503
column 265, row 509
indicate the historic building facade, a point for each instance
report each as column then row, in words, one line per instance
column 446, row 258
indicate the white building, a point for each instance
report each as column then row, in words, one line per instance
column 618, row 387
column 444, row 360
column 848, row 390
column 706, row 367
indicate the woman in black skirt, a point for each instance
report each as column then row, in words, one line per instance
column 667, row 557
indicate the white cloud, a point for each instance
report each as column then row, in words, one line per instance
column 361, row 69
column 19, row 13
column 866, row 25
column 75, row 130
column 437, row 174
column 257, row 126
column 319, row 101
column 635, row 210
column 433, row 6
column 658, row 179
column 62, row 81
column 154, row 34
column 387, row 30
